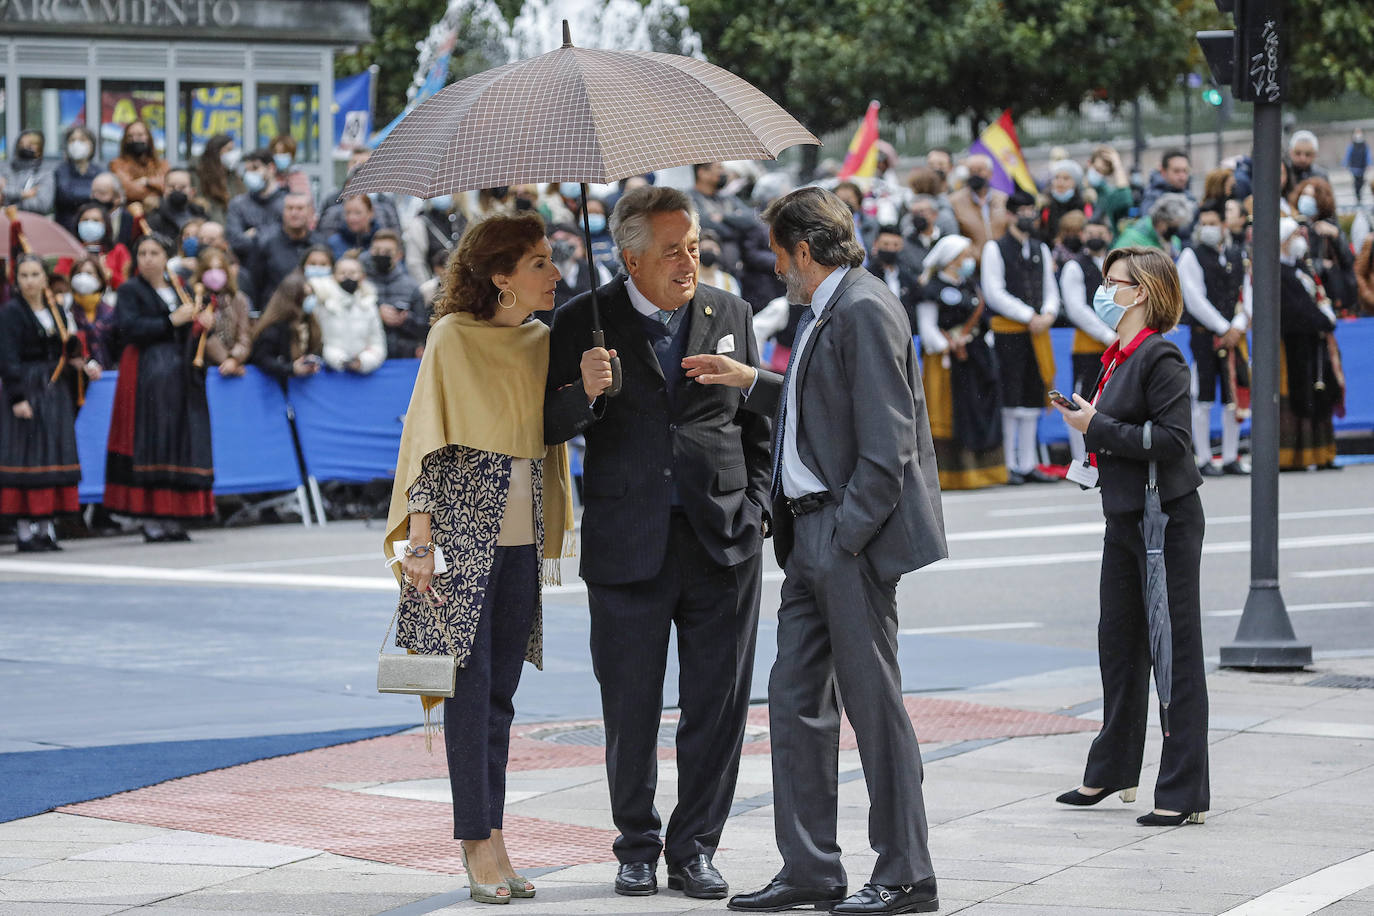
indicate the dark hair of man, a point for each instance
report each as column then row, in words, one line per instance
column 819, row 218
column 260, row 156
column 1169, row 156
column 387, row 235
column 1212, row 205
column 889, row 230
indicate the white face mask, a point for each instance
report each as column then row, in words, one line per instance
column 1210, row 236
column 79, row 150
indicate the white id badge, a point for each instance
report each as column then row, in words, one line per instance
column 1083, row 474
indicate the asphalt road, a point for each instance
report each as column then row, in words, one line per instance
column 271, row 630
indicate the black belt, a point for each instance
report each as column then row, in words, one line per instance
column 808, row 503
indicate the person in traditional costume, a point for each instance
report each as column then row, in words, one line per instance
column 158, row 463
column 475, row 480
column 960, row 372
column 93, row 311
column 41, row 364
column 215, row 283
column 1310, row 381
column 1078, row 282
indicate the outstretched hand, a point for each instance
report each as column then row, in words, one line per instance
column 715, row 369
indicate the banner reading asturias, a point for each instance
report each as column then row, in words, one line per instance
column 862, row 159
column 998, row 142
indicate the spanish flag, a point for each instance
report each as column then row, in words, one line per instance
column 999, row 143
column 862, row 159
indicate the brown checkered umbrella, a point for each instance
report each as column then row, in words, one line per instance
column 577, row 114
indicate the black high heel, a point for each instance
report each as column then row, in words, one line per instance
column 1171, row 820
column 1078, row 799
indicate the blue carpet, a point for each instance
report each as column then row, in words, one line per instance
column 38, row 781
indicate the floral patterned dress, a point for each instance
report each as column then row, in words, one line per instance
column 464, row 491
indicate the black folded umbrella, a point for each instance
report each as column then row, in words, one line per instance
column 1152, row 527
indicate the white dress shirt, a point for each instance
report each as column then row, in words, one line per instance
column 797, row 479
column 1076, row 303
column 994, row 278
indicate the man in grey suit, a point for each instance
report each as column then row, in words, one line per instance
column 856, row 503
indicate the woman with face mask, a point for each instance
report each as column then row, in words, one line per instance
column 214, row 283
column 283, row 149
column 1310, row 383
column 1330, row 252
column 158, row 463
column 217, row 175
column 41, row 361
column 1063, row 195
column 960, row 374
column 286, row 337
column 93, row 311
column 139, row 168
column 94, row 232
column 1143, row 386
column 26, row 181
column 74, row 174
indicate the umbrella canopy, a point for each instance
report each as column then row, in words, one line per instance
column 45, row 237
column 1152, row 526
column 577, row 114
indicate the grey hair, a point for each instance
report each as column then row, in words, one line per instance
column 1172, row 210
column 819, row 218
column 630, row 221
column 114, row 180
column 923, row 199
column 1303, row 136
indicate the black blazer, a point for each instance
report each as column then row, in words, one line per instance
column 23, row 340
column 1152, row 384
column 639, row 443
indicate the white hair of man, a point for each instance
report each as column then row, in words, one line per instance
column 1172, row 210
column 1303, row 136
column 632, row 220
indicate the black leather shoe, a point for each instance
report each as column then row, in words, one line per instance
column 884, row 899
column 697, row 877
column 637, row 879
column 1234, row 469
column 28, row 545
column 779, row 896
column 1210, row 470
column 1081, row 799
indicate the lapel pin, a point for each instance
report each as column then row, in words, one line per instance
column 707, row 310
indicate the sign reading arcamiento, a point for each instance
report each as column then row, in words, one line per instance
column 270, row 20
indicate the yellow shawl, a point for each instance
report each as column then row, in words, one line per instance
column 482, row 386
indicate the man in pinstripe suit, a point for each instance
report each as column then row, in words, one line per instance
column 675, row 484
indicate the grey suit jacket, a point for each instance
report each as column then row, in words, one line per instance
column 864, row 430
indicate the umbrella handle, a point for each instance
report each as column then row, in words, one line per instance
column 599, row 340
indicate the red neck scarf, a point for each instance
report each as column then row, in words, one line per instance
column 1116, row 355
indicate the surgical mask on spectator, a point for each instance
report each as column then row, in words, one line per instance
column 1307, row 205
column 1297, row 248
column 79, row 150
column 596, row 222
column 254, row 181
column 709, row 258
column 317, row 271
column 214, row 279
column 177, row 199
column 138, row 148
column 282, row 161
column 90, row 230
column 26, row 152
column 1096, row 178
column 348, row 285
column 1209, row 236
column 442, row 203
column 722, row 181
column 977, row 183
column 1025, row 224
column 1063, row 196
column 310, row 303
column 966, row 268
column 230, row 158
column 383, row 263
column 570, row 189
column 190, row 247
column 1107, row 309
column 887, row 257
column 563, row 251
column 85, row 283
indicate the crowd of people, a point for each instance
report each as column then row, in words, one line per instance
column 278, row 280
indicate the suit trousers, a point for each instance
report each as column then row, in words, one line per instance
column 715, row 610
column 1123, row 648
column 837, row 641
column 477, row 717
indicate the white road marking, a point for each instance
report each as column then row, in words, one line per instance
column 383, row 582
column 299, row 561
column 1295, row 608
column 1314, row 892
column 970, row 628
column 1070, row 529
column 1336, row 573
column 1042, row 510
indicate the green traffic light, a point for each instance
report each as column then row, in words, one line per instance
column 1212, row 96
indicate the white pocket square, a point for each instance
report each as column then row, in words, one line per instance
column 727, row 344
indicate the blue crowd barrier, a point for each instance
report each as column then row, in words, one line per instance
column 350, row 425
column 249, row 431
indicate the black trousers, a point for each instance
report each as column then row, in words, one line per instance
column 716, row 610
column 1123, row 647
column 837, row 643
column 477, row 717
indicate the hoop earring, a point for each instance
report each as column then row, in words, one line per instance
column 501, row 298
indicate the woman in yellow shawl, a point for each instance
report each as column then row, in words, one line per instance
column 475, row 480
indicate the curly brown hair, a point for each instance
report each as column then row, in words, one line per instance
column 493, row 246
column 1321, row 190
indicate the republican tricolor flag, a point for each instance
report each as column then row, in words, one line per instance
column 998, row 142
column 862, row 159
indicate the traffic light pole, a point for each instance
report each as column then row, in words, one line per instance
column 1265, row 638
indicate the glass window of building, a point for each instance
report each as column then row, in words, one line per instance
column 121, row 103
column 294, row 109
column 207, row 109
column 51, row 106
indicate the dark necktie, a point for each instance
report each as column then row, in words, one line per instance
column 803, row 321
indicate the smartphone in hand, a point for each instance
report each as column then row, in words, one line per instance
column 1062, row 401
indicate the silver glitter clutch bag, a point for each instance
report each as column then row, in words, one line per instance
column 418, row 675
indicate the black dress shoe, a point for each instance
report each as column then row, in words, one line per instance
column 47, row 542
column 28, row 545
column 1210, row 470
column 637, row 879
column 778, row 896
column 1015, row 478
column 697, row 877
column 1234, row 469
column 1082, row 799
column 884, row 899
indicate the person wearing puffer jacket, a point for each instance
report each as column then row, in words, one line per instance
column 350, row 326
